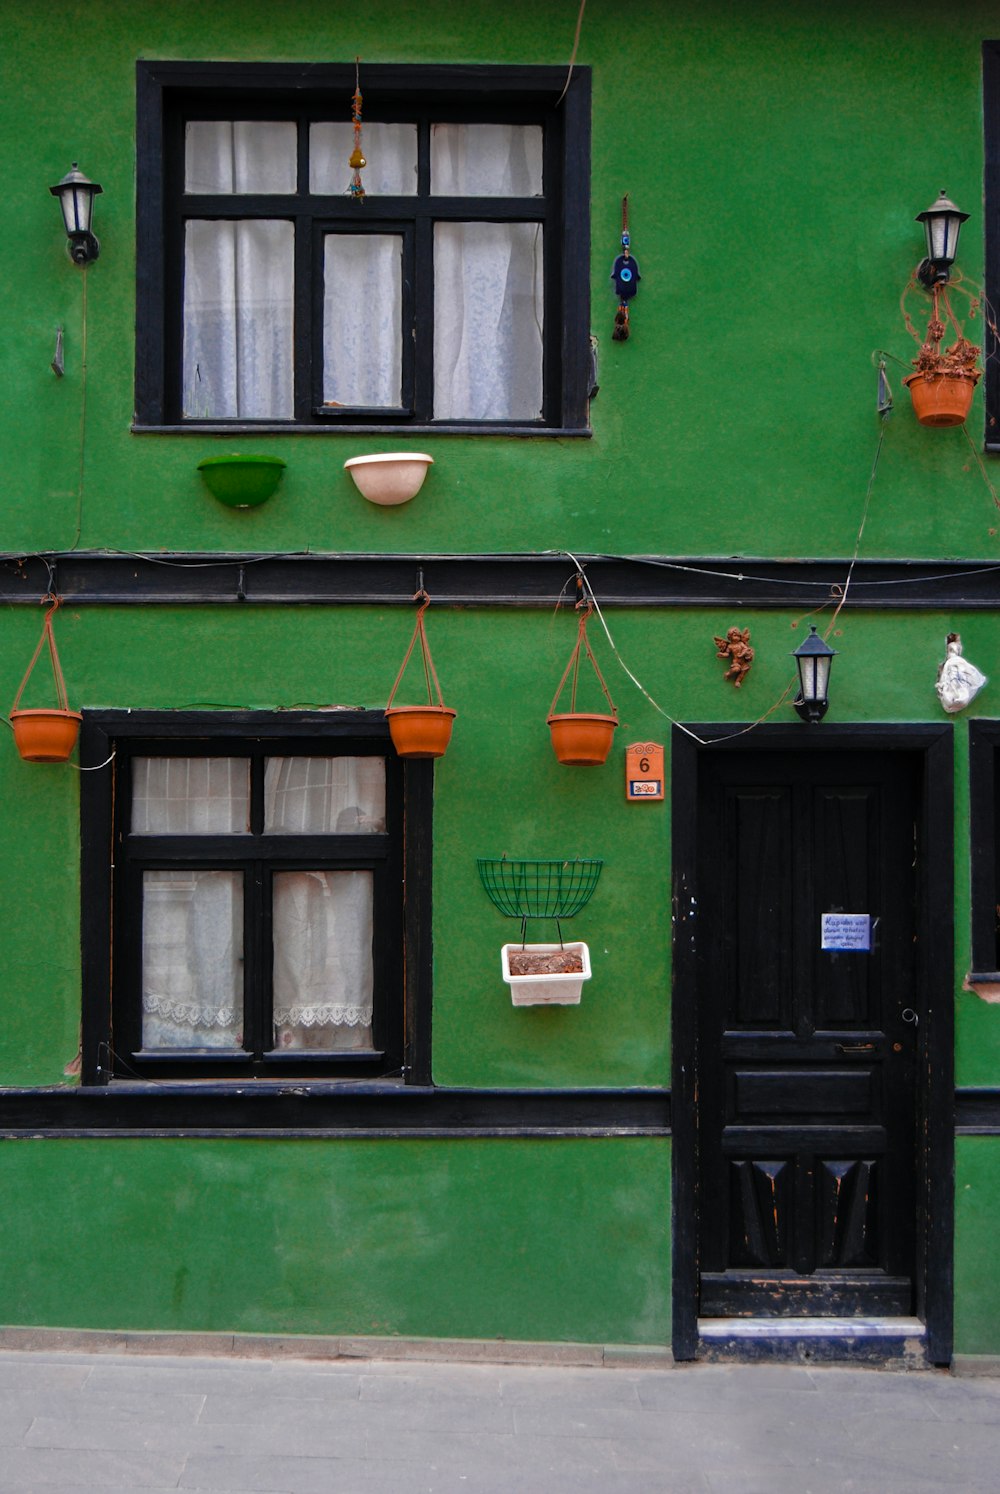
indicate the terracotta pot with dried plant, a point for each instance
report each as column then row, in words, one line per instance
column 944, row 382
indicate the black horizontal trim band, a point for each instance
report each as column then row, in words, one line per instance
column 342, row 426
column 274, row 1107
column 104, row 578
column 977, row 1112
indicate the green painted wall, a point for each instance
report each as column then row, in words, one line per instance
column 519, row 1240
column 774, row 158
column 977, row 1289
column 738, row 420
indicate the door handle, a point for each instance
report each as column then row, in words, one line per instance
column 855, row 1047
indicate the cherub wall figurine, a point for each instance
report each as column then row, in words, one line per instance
column 736, row 648
column 958, row 681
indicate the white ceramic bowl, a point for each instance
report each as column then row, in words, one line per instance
column 394, row 477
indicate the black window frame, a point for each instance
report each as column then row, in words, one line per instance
column 991, row 226
column 168, row 93
column 984, row 847
column 113, row 860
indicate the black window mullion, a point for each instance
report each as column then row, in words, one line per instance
column 172, row 250
column 257, row 767
column 423, row 320
column 125, row 1038
column 257, row 921
column 257, row 960
column 423, row 158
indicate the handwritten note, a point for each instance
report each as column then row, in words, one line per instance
column 846, row 931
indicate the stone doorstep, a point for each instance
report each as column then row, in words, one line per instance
column 334, row 1348
column 361, row 1348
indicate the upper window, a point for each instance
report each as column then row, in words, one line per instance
column 256, row 897
column 452, row 296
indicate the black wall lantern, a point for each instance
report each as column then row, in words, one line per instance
column 76, row 195
column 942, row 224
column 813, row 658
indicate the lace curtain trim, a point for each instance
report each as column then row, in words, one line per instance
column 187, row 1014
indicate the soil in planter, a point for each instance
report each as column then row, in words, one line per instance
column 562, row 962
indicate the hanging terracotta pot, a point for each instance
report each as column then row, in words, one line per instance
column 423, row 730
column 420, row 731
column 581, row 739
column 942, row 398
column 46, row 736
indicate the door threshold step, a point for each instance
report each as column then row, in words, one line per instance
column 798, row 1328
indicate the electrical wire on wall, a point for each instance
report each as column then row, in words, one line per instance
column 58, row 371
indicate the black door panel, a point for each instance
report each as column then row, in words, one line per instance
column 806, row 1129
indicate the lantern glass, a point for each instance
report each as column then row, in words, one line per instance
column 77, row 208
column 814, row 676
column 942, row 224
column 813, row 658
column 76, row 195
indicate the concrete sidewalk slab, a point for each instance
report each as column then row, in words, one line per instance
column 74, row 1422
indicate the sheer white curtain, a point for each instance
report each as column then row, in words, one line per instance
column 488, row 277
column 192, row 959
column 324, row 977
column 390, row 151
column 239, row 275
column 488, row 319
column 238, row 319
column 362, row 320
column 324, row 796
column 323, row 921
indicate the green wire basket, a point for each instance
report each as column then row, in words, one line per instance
column 539, row 889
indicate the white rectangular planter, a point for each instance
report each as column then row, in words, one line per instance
column 546, row 990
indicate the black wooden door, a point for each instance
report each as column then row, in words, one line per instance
column 806, row 1055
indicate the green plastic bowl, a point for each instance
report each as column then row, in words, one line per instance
column 241, row 481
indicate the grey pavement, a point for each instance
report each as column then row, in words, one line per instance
column 124, row 1421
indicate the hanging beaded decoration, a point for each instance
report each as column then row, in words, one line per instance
column 357, row 162
column 626, row 277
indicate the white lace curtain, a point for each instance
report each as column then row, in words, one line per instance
column 239, row 275
column 193, row 920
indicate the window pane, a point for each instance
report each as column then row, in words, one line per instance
column 486, row 160
column 238, row 351
column 190, row 796
column 390, row 151
column 323, row 967
column 222, row 155
column 362, row 320
column 488, row 317
column 324, row 796
column 192, row 959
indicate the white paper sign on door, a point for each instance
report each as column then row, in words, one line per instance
column 846, row 931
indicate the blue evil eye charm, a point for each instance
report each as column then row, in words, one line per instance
column 626, row 241
column 625, row 274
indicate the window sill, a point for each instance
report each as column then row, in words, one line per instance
column 289, row 428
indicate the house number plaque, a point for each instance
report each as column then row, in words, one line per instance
column 846, row 931
column 644, row 771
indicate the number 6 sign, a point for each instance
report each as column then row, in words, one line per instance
column 643, row 771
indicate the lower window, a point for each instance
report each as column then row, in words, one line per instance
column 250, row 919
